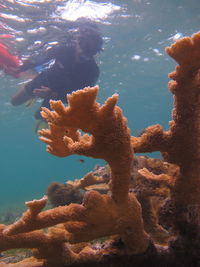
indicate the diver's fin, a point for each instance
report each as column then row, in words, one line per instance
column 29, row 102
column 9, row 63
column 40, row 124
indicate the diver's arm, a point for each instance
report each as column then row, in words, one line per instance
column 40, row 59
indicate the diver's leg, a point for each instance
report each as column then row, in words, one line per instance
column 45, row 104
column 26, row 93
column 21, row 97
column 37, row 115
column 40, row 122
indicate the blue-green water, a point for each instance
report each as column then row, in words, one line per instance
column 133, row 64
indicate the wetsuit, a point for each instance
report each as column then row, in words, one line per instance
column 65, row 75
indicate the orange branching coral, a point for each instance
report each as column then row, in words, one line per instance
column 51, row 248
column 151, row 140
column 99, row 215
column 88, row 180
column 163, row 178
column 29, row 262
column 91, row 182
column 181, row 144
column 109, row 139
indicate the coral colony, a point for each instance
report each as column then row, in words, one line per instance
column 115, row 228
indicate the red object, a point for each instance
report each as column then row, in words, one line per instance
column 6, row 36
column 8, row 62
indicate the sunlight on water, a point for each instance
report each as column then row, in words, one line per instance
column 32, row 1
column 75, row 9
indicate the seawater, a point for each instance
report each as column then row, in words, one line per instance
column 133, row 64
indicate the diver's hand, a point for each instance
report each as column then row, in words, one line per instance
column 43, row 92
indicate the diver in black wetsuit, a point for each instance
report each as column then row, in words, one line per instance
column 74, row 68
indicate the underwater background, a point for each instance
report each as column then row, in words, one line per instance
column 133, row 64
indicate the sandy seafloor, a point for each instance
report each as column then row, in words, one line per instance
column 133, row 64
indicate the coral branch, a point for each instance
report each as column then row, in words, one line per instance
column 39, row 220
column 161, row 178
column 84, row 222
column 110, row 141
column 88, row 180
column 153, row 139
column 181, row 144
column 185, row 129
column 109, row 135
column 120, row 214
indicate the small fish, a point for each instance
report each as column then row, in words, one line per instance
column 81, row 160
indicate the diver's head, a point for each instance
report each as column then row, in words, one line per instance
column 89, row 41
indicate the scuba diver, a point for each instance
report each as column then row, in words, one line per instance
column 73, row 67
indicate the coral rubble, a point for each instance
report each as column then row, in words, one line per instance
column 123, row 216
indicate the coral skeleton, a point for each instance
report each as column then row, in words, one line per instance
column 64, row 236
